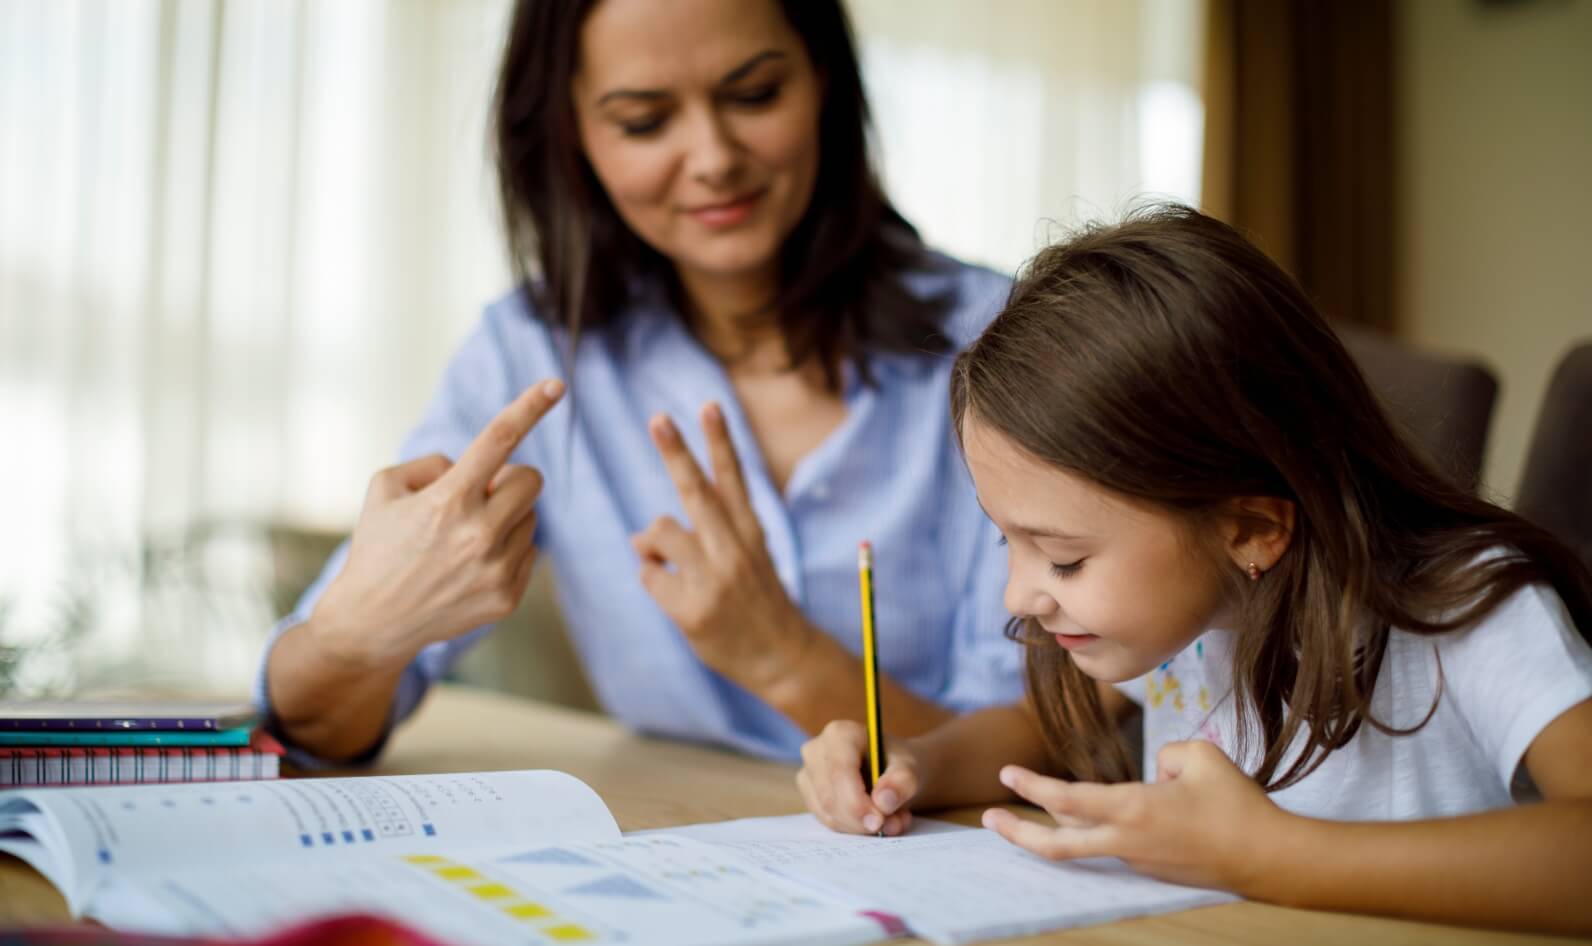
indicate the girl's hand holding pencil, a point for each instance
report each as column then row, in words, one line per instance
column 833, row 785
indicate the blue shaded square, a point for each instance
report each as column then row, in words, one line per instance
column 430, row 830
column 104, row 856
column 348, row 836
column 369, row 835
column 327, row 837
column 304, row 839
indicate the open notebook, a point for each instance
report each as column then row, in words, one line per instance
column 533, row 857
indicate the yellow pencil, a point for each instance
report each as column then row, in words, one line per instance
column 870, row 667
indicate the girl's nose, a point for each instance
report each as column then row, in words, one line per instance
column 1026, row 599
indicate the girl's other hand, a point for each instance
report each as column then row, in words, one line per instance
column 1203, row 823
column 832, row 785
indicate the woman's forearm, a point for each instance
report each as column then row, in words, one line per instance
column 1519, row 868
column 824, row 682
column 329, row 704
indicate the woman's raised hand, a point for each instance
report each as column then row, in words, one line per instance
column 831, row 782
column 716, row 579
column 440, row 548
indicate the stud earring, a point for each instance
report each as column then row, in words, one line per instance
column 1254, row 571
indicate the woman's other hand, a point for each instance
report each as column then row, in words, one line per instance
column 716, row 580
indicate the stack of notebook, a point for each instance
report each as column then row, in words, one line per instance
column 83, row 743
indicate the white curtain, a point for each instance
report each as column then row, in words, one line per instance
column 239, row 239
column 236, row 241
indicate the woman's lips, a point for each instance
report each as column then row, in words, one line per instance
column 728, row 214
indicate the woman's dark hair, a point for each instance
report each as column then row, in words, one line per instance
column 1168, row 360
column 842, row 292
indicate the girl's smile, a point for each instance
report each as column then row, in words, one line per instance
column 1075, row 641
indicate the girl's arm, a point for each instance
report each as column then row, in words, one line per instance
column 1208, row 824
column 1526, row 867
column 961, row 761
column 955, row 764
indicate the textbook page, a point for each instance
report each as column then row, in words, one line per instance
column 79, row 837
column 641, row 890
column 951, row 884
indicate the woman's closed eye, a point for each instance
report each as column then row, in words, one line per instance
column 641, row 127
column 755, row 97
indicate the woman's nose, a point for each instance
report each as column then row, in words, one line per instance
column 714, row 156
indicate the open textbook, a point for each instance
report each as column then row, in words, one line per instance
column 534, row 857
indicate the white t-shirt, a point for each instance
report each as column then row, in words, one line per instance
column 1504, row 679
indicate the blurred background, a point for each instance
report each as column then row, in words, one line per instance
column 239, row 239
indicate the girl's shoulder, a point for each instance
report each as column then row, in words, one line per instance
column 1534, row 609
column 1499, row 680
column 1531, row 619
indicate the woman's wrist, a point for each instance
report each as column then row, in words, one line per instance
column 348, row 645
column 783, row 674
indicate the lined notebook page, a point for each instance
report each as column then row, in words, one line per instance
column 951, row 884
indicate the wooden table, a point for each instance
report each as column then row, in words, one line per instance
column 650, row 783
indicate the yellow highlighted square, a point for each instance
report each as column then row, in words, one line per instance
column 567, row 932
column 425, row 859
column 491, row 891
column 527, row 911
column 457, row 872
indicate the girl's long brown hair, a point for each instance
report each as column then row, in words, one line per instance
column 1167, row 359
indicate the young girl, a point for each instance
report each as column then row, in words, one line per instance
column 1349, row 667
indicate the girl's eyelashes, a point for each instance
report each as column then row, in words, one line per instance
column 1067, row 570
column 1059, row 569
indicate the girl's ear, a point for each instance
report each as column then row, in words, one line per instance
column 1256, row 531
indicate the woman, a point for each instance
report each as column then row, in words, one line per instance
column 692, row 183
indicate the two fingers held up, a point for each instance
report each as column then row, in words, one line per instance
column 440, row 547
column 832, row 786
column 714, row 577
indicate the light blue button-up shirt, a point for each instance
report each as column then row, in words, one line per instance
column 890, row 474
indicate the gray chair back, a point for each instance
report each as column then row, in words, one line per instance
column 1556, row 487
column 1444, row 404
